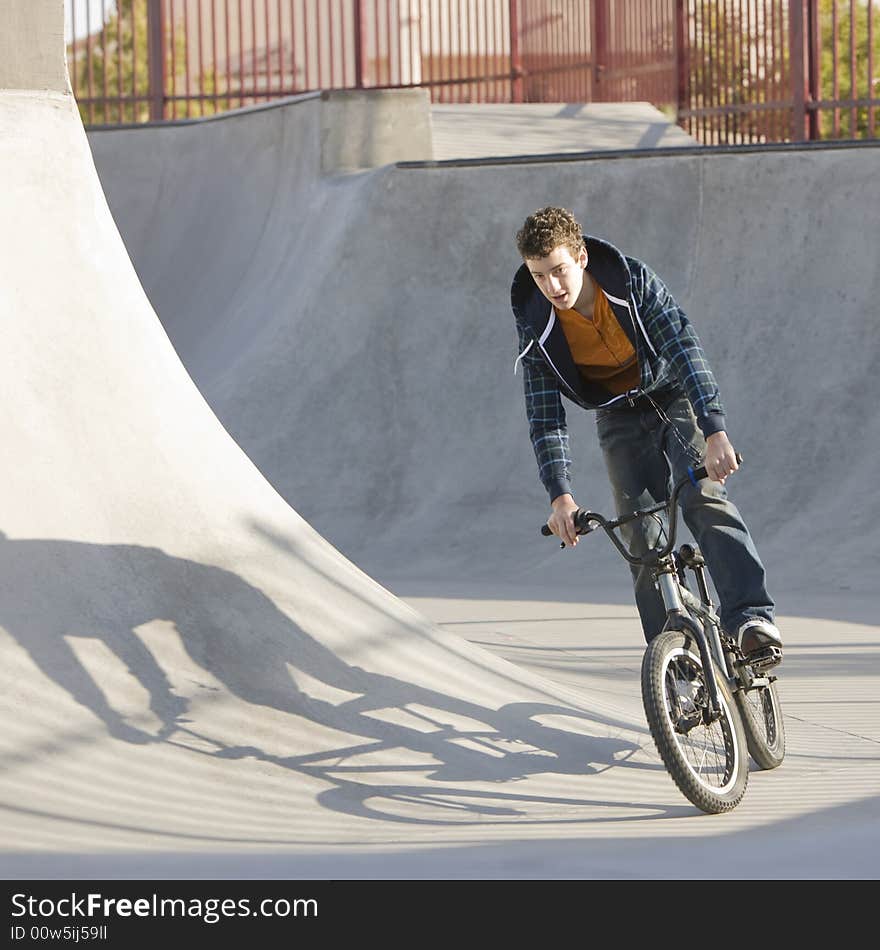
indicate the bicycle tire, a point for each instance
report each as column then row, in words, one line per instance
column 761, row 714
column 708, row 763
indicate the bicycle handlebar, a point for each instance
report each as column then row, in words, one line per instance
column 586, row 520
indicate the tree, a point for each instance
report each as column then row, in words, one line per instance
column 848, row 122
column 110, row 68
column 735, row 61
column 740, row 56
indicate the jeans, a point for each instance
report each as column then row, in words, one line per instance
column 645, row 454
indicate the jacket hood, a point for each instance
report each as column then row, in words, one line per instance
column 605, row 263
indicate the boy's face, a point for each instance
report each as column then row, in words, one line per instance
column 559, row 276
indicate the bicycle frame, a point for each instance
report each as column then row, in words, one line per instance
column 668, row 569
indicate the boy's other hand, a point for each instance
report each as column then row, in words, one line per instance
column 720, row 457
column 561, row 521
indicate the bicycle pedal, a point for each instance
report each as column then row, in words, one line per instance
column 765, row 659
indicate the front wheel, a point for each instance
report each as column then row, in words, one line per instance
column 761, row 715
column 707, row 759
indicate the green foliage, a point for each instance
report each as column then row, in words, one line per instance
column 848, row 123
column 739, row 58
column 112, row 63
column 110, row 69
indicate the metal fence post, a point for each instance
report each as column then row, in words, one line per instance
column 516, row 70
column 156, row 57
column 360, row 44
column 682, row 65
column 600, row 47
column 797, row 37
column 813, row 67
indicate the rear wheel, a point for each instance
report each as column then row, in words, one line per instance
column 761, row 715
column 707, row 759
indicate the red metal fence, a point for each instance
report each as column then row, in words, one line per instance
column 731, row 70
column 776, row 70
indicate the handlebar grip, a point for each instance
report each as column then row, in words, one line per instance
column 696, row 474
column 545, row 530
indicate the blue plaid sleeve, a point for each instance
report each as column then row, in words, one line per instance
column 546, row 418
column 672, row 335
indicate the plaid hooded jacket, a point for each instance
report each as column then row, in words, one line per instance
column 667, row 348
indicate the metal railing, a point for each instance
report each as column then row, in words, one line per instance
column 138, row 60
column 732, row 71
column 779, row 70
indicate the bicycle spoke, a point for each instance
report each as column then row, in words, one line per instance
column 705, row 747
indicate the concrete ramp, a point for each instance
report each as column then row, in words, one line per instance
column 196, row 682
column 359, row 343
column 188, row 668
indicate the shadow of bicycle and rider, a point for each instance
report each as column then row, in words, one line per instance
column 54, row 591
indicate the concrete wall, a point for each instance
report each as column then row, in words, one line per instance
column 32, row 45
column 362, row 353
column 368, row 128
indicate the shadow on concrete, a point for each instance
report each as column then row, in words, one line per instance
column 236, row 633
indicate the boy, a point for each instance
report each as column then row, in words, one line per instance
column 602, row 330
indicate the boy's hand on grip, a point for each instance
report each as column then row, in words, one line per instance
column 561, row 520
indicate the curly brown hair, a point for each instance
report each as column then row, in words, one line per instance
column 546, row 229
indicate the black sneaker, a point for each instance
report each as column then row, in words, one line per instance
column 760, row 642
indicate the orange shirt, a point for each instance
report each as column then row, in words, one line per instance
column 600, row 348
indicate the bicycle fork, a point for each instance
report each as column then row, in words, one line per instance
column 678, row 618
column 693, row 559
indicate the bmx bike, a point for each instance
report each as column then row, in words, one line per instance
column 708, row 706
